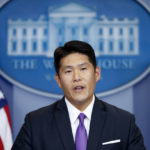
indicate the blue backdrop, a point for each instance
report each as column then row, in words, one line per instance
column 134, row 98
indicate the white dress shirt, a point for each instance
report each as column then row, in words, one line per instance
column 74, row 113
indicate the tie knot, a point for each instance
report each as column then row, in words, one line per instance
column 82, row 117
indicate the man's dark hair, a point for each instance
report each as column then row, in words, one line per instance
column 73, row 47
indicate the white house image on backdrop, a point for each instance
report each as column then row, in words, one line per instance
column 72, row 22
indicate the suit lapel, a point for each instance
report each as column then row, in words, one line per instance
column 96, row 126
column 64, row 126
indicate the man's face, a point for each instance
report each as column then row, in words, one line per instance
column 77, row 78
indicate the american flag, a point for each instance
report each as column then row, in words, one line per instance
column 5, row 125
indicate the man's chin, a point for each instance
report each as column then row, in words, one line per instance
column 81, row 102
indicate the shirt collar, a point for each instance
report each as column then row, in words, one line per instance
column 74, row 112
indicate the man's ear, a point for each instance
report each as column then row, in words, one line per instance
column 57, row 78
column 97, row 73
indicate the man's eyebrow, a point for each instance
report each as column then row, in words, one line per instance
column 79, row 65
column 84, row 64
column 67, row 67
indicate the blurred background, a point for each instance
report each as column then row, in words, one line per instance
column 117, row 30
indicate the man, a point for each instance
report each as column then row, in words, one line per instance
column 79, row 121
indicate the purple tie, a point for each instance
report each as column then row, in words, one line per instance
column 81, row 135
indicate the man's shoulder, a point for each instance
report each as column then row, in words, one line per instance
column 114, row 111
column 43, row 112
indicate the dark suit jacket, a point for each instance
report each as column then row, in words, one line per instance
column 49, row 128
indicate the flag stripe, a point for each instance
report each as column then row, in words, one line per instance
column 5, row 130
column 5, row 125
column 8, row 115
column 1, row 145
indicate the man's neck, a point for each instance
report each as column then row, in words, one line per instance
column 81, row 106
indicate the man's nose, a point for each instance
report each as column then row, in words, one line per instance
column 76, row 76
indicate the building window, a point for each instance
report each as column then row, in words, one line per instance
column 34, row 46
column 121, row 46
column 101, row 31
column 101, row 45
column 24, row 46
column 131, row 31
column 120, row 31
column 131, row 46
column 14, row 46
column 85, row 31
column 24, row 31
column 60, row 43
column 34, row 31
column 73, row 31
column 45, row 46
column 111, row 46
column 110, row 31
column 60, row 31
column 14, row 32
column 45, row 32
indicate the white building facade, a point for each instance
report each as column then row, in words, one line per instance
column 73, row 22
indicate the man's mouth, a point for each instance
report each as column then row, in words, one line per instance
column 78, row 88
